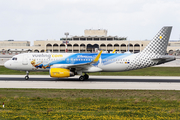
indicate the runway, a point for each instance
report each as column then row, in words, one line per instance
column 94, row 82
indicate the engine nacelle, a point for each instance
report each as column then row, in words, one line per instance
column 60, row 72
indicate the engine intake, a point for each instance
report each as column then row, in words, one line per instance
column 60, row 72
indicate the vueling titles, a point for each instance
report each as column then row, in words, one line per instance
column 47, row 55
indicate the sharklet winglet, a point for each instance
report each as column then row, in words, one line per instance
column 114, row 51
column 97, row 57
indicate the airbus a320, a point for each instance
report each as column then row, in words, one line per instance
column 62, row 65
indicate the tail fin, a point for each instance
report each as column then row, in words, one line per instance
column 159, row 43
column 154, row 52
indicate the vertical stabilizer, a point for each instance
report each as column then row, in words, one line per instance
column 156, row 49
column 159, row 43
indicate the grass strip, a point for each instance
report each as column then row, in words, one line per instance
column 89, row 104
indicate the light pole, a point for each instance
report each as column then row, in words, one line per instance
column 66, row 33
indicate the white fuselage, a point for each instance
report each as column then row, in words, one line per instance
column 36, row 61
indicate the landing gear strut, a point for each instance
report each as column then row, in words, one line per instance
column 84, row 77
column 27, row 75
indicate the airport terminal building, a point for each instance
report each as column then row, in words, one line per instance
column 90, row 42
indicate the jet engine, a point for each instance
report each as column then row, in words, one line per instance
column 60, row 72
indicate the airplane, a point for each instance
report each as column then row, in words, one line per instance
column 62, row 65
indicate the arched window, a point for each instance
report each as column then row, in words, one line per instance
column 36, row 50
column 136, row 45
column 82, row 45
column 102, row 45
column 29, row 50
column 109, row 48
column 62, row 45
column 130, row 45
column 109, row 45
column 89, row 46
column 123, row 45
column 69, row 45
column 55, row 45
column 75, row 45
column 48, row 45
column 116, row 45
column 95, row 46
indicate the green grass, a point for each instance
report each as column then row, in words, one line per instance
column 89, row 104
column 151, row 71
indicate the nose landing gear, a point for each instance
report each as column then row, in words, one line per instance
column 27, row 75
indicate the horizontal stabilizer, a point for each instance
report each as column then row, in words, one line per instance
column 164, row 58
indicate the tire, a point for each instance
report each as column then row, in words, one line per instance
column 81, row 78
column 26, row 77
column 86, row 76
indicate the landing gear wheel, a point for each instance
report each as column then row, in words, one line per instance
column 86, row 76
column 26, row 77
column 81, row 78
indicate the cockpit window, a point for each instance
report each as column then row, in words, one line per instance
column 14, row 58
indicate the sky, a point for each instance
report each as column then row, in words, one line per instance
column 50, row 19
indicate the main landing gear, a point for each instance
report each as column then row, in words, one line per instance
column 27, row 75
column 84, row 77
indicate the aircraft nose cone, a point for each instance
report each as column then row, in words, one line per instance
column 6, row 64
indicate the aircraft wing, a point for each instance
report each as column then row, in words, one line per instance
column 79, row 66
